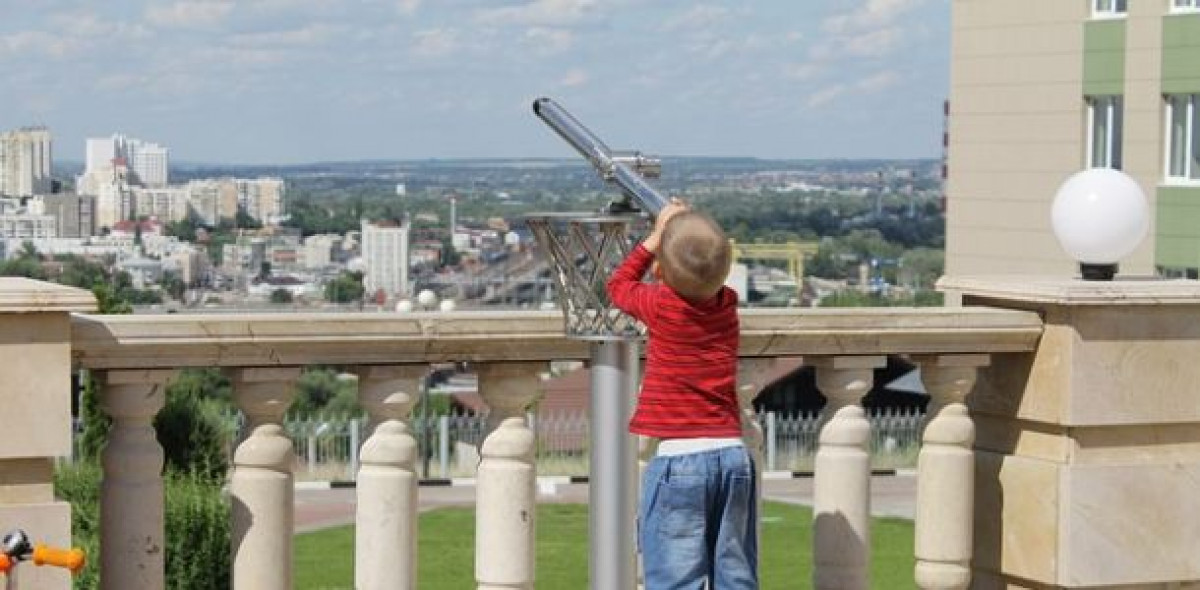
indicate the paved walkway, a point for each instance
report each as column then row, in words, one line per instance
column 891, row 495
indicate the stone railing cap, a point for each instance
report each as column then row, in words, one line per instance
column 21, row 295
column 1075, row 291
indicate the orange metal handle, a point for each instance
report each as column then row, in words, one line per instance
column 71, row 559
column 6, row 563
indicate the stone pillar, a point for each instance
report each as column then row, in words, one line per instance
column 842, row 479
column 132, row 539
column 261, row 487
column 505, row 493
column 385, row 549
column 1087, row 451
column 946, row 473
column 35, row 414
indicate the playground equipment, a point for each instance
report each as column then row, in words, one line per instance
column 583, row 249
column 16, row 547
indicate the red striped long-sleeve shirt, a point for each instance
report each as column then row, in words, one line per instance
column 689, row 387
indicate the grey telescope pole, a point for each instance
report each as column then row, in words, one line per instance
column 612, row 485
column 612, row 169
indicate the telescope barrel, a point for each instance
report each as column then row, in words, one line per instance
column 591, row 147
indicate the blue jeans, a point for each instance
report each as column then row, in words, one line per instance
column 697, row 521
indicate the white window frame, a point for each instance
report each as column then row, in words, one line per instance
column 1107, row 9
column 1190, row 176
column 1183, row 6
column 1110, row 103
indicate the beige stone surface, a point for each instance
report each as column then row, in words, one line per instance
column 1017, row 516
column 35, row 385
column 26, row 481
column 46, row 522
column 1130, row 524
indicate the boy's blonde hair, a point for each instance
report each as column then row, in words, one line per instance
column 695, row 256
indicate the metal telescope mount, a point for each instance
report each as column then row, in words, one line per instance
column 583, row 249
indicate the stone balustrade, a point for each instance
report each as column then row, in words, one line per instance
column 1061, row 450
column 392, row 352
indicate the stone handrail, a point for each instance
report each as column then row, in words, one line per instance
column 270, row 340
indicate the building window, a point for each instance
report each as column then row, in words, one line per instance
column 1109, row 8
column 1104, row 131
column 1183, row 138
column 1185, row 5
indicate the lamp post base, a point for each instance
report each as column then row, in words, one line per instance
column 1097, row 272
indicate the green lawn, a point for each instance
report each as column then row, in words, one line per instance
column 324, row 559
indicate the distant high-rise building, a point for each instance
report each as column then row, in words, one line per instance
column 164, row 203
column 25, row 156
column 114, row 197
column 385, row 256
column 75, row 214
column 261, row 198
column 148, row 162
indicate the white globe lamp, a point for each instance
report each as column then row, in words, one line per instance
column 1100, row 216
column 404, row 306
column 427, row 299
column 447, row 305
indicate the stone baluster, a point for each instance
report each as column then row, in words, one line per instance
column 946, row 473
column 132, row 540
column 842, row 486
column 506, row 479
column 261, row 487
column 385, row 553
column 752, row 373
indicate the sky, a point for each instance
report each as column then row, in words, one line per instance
column 296, row 81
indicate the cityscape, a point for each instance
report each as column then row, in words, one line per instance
column 245, row 237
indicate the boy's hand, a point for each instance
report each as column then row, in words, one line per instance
column 654, row 240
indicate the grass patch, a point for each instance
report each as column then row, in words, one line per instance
column 324, row 559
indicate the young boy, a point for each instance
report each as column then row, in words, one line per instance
column 696, row 519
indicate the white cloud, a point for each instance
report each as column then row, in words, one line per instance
column 872, row 15
column 435, row 42
column 189, row 13
column 875, row 43
column 39, row 42
column 539, row 13
column 549, row 41
column 407, row 7
column 310, row 35
column 699, row 17
column 877, row 82
column 825, row 96
column 802, row 71
column 574, row 77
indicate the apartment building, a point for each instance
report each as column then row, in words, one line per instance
column 1040, row 90
column 385, row 256
column 25, row 156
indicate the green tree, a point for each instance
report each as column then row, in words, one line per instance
column 319, row 388
column 345, row 288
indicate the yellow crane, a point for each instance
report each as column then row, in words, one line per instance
column 792, row 253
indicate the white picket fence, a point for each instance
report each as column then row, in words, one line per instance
column 327, row 445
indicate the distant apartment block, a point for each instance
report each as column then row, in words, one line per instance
column 385, row 256
column 148, row 162
column 28, row 226
column 164, row 203
column 75, row 214
column 110, row 187
column 25, row 156
column 261, row 198
column 1040, row 90
column 212, row 200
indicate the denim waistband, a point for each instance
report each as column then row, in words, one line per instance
column 684, row 446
